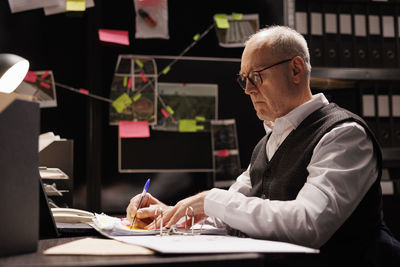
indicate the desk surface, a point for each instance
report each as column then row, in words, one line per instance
column 231, row 260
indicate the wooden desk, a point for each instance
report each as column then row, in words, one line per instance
column 38, row 259
column 209, row 260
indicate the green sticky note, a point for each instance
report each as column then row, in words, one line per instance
column 121, row 102
column 170, row 110
column 187, row 126
column 222, row 21
column 237, row 16
column 166, row 70
column 136, row 97
column 75, row 5
column 200, row 118
column 200, row 127
column 139, row 63
column 196, row 37
column 125, row 81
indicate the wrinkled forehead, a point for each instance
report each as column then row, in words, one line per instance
column 256, row 54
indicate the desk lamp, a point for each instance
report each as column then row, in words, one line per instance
column 13, row 69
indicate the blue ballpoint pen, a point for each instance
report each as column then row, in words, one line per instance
column 145, row 188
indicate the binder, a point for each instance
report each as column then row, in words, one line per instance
column 368, row 106
column 374, row 36
column 346, row 49
column 360, row 36
column 316, row 35
column 330, row 24
column 302, row 19
column 395, row 97
column 389, row 51
column 383, row 125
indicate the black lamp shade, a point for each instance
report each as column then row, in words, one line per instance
column 13, row 69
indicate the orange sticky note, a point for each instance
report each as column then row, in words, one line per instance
column 45, row 85
column 223, row 153
column 114, row 36
column 84, row 91
column 133, row 129
column 31, row 77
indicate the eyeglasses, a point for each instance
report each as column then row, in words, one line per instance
column 255, row 77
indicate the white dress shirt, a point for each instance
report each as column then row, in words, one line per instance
column 342, row 169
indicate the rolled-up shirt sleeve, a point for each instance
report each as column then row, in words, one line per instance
column 342, row 169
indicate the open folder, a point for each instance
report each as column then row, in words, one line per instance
column 190, row 241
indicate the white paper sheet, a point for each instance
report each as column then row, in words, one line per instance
column 212, row 244
column 24, row 5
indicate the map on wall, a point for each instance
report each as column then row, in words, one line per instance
column 133, row 90
column 186, row 107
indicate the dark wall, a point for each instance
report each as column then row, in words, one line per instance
column 68, row 45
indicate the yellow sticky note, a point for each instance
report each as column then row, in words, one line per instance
column 136, row 97
column 140, row 64
column 75, row 5
column 125, row 81
column 200, row 118
column 187, row 126
column 222, row 21
column 170, row 110
column 196, row 37
column 166, row 70
column 237, row 16
column 200, row 127
column 121, row 102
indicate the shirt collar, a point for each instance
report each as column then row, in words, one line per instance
column 297, row 115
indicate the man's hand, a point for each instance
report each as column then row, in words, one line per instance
column 145, row 214
column 172, row 215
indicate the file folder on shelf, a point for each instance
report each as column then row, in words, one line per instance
column 302, row 19
column 330, row 19
column 360, row 36
column 396, row 117
column 389, row 51
column 374, row 36
column 346, row 49
column 316, row 44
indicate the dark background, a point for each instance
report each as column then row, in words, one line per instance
column 68, row 45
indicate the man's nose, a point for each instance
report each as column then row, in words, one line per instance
column 250, row 88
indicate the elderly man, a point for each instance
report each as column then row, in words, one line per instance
column 313, row 180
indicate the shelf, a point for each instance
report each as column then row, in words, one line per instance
column 356, row 73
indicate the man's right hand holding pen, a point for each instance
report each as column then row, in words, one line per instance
column 145, row 215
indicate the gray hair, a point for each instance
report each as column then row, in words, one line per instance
column 286, row 42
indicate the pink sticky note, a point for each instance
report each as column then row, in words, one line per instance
column 114, row 36
column 44, row 75
column 133, row 129
column 143, row 77
column 130, row 83
column 165, row 113
column 84, row 91
column 45, row 85
column 223, row 153
column 31, row 77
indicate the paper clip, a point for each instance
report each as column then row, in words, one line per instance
column 161, row 218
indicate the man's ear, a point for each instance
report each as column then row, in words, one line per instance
column 298, row 68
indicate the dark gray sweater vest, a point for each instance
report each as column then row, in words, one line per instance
column 284, row 175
